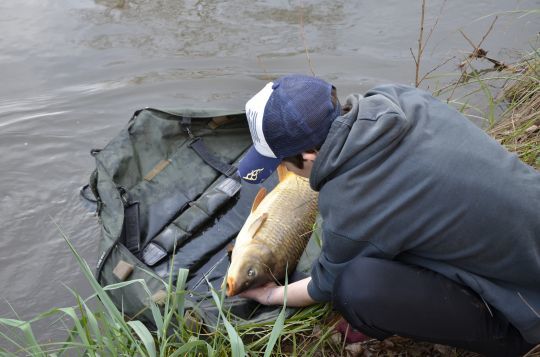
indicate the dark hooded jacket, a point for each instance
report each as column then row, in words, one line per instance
column 403, row 176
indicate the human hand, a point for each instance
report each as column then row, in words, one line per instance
column 266, row 294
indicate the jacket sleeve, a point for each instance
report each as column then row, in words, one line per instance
column 337, row 251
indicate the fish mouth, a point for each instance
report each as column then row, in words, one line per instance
column 230, row 286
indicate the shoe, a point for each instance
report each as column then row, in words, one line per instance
column 350, row 335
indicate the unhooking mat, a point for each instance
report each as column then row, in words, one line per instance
column 168, row 197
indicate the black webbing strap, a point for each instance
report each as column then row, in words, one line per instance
column 197, row 144
column 87, row 194
column 153, row 253
column 131, row 230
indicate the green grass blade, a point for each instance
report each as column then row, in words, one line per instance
column 175, row 305
column 26, row 329
column 490, row 99
column 12, row 341
column 80, row 331
column 93, row 324
column 167, row 311
column 5, row 353
column 156, row 312
column 181, row 286
column 276, row 332
column 190, row 346
column 279, row 324
column 108, row 341
column 122, row 284
column 237, row 346
column 145, row 336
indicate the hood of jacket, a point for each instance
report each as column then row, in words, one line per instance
column 372, row 127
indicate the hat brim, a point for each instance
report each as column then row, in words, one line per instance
column 255, row 168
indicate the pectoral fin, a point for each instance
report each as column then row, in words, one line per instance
column 282, row 172
column 257, row 223
column 229, row 248
column 258, row 199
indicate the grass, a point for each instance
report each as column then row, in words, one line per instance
column 509, row 106
column 104, row 331
column 519, row 127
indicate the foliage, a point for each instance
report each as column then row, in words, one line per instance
column 519, row 127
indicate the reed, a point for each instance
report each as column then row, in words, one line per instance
column 509, row 103
column 519, row 126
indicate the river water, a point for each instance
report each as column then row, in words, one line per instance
column 73, row 72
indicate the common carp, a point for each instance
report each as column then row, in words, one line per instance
column 274, row 235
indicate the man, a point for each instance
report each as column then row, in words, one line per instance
column 431, row 229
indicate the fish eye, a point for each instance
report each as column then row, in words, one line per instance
column 251, row 272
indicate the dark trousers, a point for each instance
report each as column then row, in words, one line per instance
column 382, row 298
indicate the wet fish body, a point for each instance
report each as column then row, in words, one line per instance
column 274, row 235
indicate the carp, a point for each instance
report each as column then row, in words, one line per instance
column 274, row 235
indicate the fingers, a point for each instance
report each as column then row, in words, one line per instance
column 260, row 294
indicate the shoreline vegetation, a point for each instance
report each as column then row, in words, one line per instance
column 519, row 126
column 95, row 327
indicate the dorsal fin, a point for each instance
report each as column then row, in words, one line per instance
column 257, row 223
column 258, row 199
column 282, row 172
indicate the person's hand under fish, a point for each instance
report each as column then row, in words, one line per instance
column 273, row 294
column 262, row 294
